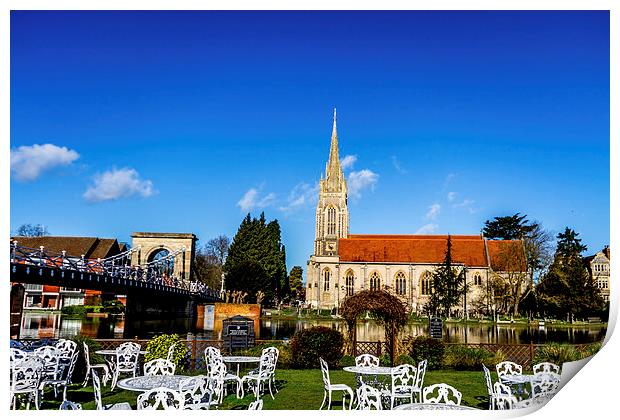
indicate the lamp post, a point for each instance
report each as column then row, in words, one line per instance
column 222, row 288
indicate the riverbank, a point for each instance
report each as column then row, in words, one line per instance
column 326, row 315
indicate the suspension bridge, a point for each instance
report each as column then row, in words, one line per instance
column 153, row 290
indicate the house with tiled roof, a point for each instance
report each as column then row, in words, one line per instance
column 598, row 266
column 56, row 297
column 344, row 263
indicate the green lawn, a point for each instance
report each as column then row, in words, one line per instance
column 298, row 390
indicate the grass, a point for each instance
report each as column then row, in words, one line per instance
column 297, row 390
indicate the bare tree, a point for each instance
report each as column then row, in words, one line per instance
column 30, row 230
column 511, row 278
column 217, row 249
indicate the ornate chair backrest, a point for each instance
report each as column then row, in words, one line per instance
column 325, row 372
column 508, row 368
column 67, row 371
column 212, row 355
column 216, row 374
column 488, row 380
column 66, row 348
column 130, row 345
column 441, row 393
column 504, row 402
column 419, row 379
column 545, row 384
column 368, row 398
column 162, row 397
column 17, row 355
column 126, row 358
column 366, row 360
column 256, row 405
column 159, row 367
column 546, row 367
column 68, row 405
column 403, row 378
column 49, row 354
column 198, row 392
column 171, row 352
column 97, row 391
column 266, row 365
column 27, row 373
column 273, row 352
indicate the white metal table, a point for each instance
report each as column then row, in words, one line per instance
column 370, row 371
column 146, row 383
column 241, row 359
column 433, row 406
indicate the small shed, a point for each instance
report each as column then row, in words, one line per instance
column 238, row 332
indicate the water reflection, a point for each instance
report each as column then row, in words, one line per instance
column 37, row 325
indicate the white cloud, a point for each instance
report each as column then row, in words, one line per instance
column 397, row 165
column 303, row 194
column 428, row 228
column 451, row 196
column 348, row 161
column 252, row 200
column 360, row 180
column 118, row 183
column 433, row 211
column 466, row 204
column 28, row 162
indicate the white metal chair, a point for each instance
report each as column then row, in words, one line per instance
column 159, row 367
column 217, row 370
column 402, row 381
column 16, row 355
column 489, row 384
column 368, row 398
column 91, row 368
column 98, row 401
column 66, row 348
column 546, row 367
column 256, row 405
column 441, row 393
column 274, row 353
column 51, row 361
column 418, row 385
column 162, row 397
column 199, row 393
column 69, row 405
column 265, row 373
column 25, row 380
column 126, row 361
column 328, row 388
column 62, row 380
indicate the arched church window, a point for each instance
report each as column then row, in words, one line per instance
column 426, row 283
column 375, row 281
column 326, row 275
column 331, row 220
column 401, row 283
column 477, row 280
column 349, row 282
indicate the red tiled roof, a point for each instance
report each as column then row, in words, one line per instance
column 466, row 249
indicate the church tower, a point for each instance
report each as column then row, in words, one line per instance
column 332, row 213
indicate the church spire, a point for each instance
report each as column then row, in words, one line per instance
column 334, row 162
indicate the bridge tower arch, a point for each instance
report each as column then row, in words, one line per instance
column 154, row 245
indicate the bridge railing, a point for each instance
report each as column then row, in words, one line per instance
column 159, row 272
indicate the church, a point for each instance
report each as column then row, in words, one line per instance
column 343, row 263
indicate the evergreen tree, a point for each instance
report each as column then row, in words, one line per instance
column 567, row 289
column 295, row 281
column 257, row 244
column 448, row 286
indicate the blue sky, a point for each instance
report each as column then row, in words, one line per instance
column 185, row 121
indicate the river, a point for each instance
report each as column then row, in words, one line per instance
column 37, row 325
